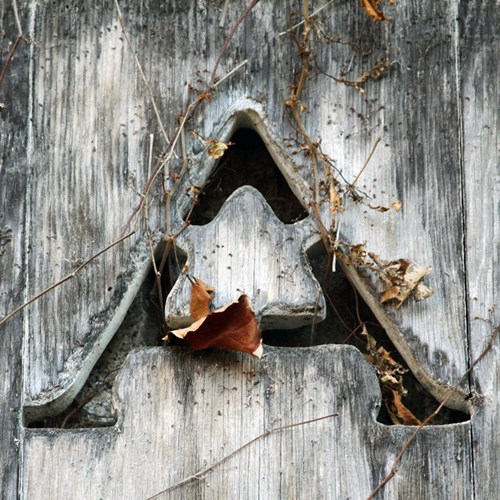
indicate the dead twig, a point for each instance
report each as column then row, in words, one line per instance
column 66, row 278
column 201, row 474
column 406, row 445
column 374, row 147
column 148, row 230
column 228, row 39
column 16, row 42
column 317, row 11
column 190, row 110
column 141, row 72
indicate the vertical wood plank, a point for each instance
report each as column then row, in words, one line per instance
column 14, row 124
column 479, row 49
column 415, row 111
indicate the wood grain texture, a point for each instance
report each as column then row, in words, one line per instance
column 414, row 109
column 479, row 50
column 181, row 412
column 91, row 123
column 13, row 166
column 247, row 249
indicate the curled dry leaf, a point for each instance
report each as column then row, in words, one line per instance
column 201, row 298
column 399, row 413
column 231, row 327
column 403, row 277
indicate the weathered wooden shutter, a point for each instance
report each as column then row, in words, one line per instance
column 74, row 150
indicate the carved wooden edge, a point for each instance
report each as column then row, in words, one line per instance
column 80, row 364
column 167, row 396
column 300, row 302
column 459, row 399
column 246, row 113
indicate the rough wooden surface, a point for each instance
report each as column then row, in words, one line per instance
column 481, row 103
column 13, row 250
column 91, row 120
column 247, row 249
column 78, row 124
column 181, row 412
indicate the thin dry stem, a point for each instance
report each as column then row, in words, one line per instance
column 66, row 278
column 16, row 42
column 192, row 107
column 148, row 230
column 201, row 474
column 317, row 11
column 374, row 147
column 143, row 76
column 16, row 19
column 223, row 14
column 228, row 39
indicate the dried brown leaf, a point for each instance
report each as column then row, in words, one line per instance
column 399, row 413
column 390, row 374
column 201, row 298
column 402, row 277
column 232, row 327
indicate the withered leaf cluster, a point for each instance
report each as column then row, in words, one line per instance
column 402, row 278
column 390, row 374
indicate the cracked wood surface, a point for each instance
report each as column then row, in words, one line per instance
column 74, row 152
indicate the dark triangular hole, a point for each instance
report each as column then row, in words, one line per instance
column 247, row 163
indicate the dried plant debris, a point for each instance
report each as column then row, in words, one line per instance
column 232, row 327
column 390, row 374
column 377, row 71
column 395, row 205
column 402, row 278
column 371, row 8
column 217, row 148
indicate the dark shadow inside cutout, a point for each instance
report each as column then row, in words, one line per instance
column 247, row 163
column 143, row 324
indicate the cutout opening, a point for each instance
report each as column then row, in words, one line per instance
column 345, row 310
column 141, row 327
column 247, row 163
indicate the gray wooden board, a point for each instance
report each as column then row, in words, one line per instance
column 481, row 104
column 91, row 119
column 180, row 412
column 14, row 99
